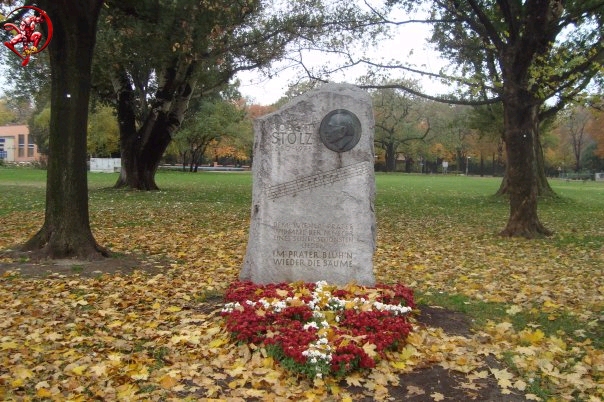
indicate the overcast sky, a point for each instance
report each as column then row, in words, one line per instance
column 409, row 44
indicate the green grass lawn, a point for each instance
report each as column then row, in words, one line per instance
column 438, row 203
column 437, row 234
column 445, row 205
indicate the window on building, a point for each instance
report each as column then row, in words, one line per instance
column 21, row 150
column 3, row 153
column 30, row 146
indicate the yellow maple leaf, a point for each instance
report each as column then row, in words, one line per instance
column 167, row 381
column 558, row 342
column 255, row 393
column 217, row 343
column 413, row 390
column 17, row 383
column 268, row 362
column 532, row 337
column 526, row 350
column 140, row 373
column 99, row 370
column 515, row 309
column 53, row 336
column 344, row 342
column 282, row 292
column 115, row 324
column 520, row 385
column 42, row 384
column 23, row 373
column 369, row 348
column 398, row 365
column 126, row 392
column 416, row 338
column 43, row 393
column 238, row 383
column 9, row 345
column 407, row 352
column 212, row 331
column 503, row 327
column 503, row 377
column 354, row 380
column 437, row 396
column 79, row 369
column 479, row 375
column 548, row 305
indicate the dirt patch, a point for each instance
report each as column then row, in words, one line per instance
column 420, row 385
column 452, row 322
column 417, row 386
column 24, row 265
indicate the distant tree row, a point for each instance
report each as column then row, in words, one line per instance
column 412, row 134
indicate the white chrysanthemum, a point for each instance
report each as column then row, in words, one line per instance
column 229, row 307
column 311, row 324
column 396, row 310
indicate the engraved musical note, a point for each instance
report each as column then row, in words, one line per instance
column 317, row 180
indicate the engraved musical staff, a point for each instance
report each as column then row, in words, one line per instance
column 317, row 180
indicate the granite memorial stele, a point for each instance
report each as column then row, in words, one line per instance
column 312, row 216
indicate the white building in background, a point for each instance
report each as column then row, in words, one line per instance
column 106, row 165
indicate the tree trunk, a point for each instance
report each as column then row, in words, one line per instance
column 543, row 187
column 390, row 157
column 142, row 149
column 521, row 127
column 408, row 163
column 141, row 154
column 66, row 229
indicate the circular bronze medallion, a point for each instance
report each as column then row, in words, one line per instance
column 340, row 130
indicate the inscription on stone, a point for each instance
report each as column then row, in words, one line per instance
column 286, row 134
column 312, row 212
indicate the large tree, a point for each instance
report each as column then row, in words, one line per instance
column 6, row 114
column 215, row 120
column 185, row 49
column 518, row 49
column 399, row 119
column 596, row 130
column 519, row 53
column 524, row 54
column 573, row 125
column 66, row 229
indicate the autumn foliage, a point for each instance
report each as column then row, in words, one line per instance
column 159, row 333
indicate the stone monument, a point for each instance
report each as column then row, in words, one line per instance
column 312, row 212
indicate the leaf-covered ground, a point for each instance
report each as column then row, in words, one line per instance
column 157, row 334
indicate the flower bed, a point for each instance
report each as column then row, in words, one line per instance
column 318, row 329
